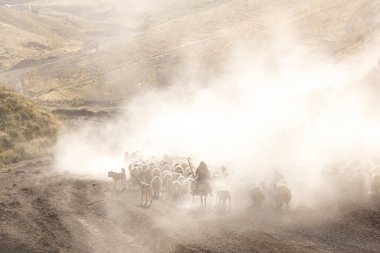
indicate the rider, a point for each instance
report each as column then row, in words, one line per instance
column 202, row 174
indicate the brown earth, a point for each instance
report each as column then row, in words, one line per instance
column 42, row 210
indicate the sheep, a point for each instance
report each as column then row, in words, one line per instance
column 156, row 173
column 282, row 194
column 358, row 187
column 118, row 176
column 134, row 173
column 165, row 179
column 146, row 193
column 257, row 195
column 156, row 185
column 176, row 190
column 179, row 169
column 147, row 177
column 181, row 179
column 166, row 167
column 186, row 185
column 175, row 176
column 223, row 196
column 375, row 184
column 144, row 166
column 185, row 166
column 165, row 172
column 169, row 186
column 152, row 165
column 188, row 173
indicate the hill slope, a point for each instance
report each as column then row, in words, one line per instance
column 26, row 130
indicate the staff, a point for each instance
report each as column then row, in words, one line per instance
column 191, row 167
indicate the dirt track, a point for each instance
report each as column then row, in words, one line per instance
column 43, row 211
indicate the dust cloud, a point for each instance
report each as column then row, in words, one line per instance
column 284, row 106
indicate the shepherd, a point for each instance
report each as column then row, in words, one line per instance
column 202, row 173
column 201, row 185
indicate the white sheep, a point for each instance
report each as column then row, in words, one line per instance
column 166, row 167
column 146, row 193
column 257, row 195
column 282, row 194
column 181, row 179
column 147, row 176
column 176, row 176
column 176, row 189
column 165, row 179
column 169, row 186
column 188, row 173
column 358, row 187
column 179, row 169
column 165, row 173
column 135, row 176
column 156, row 186
column 156, row 173
column 223, row 196
column 186, row 186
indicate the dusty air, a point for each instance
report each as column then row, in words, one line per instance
column 189, row 126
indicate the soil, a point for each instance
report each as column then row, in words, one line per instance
column 42, row 210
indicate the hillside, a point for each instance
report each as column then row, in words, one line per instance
column 26, row 130
column 166, row 40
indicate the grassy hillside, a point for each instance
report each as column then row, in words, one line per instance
column 40, row 34
column 26, row 130
column 175, row 33
column 96, row 54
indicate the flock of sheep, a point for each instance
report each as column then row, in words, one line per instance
column 353, row 182
column 154, row 179
column 174, row 179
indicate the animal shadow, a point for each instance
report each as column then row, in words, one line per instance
column 144, row 206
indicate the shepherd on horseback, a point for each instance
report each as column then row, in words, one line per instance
column 202, row 173
column 201, row 186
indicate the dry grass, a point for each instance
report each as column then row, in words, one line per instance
column 26, row 130
column 172, row 38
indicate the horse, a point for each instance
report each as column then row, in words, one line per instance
column 201, row 189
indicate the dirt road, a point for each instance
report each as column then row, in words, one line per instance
column 45, row 211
